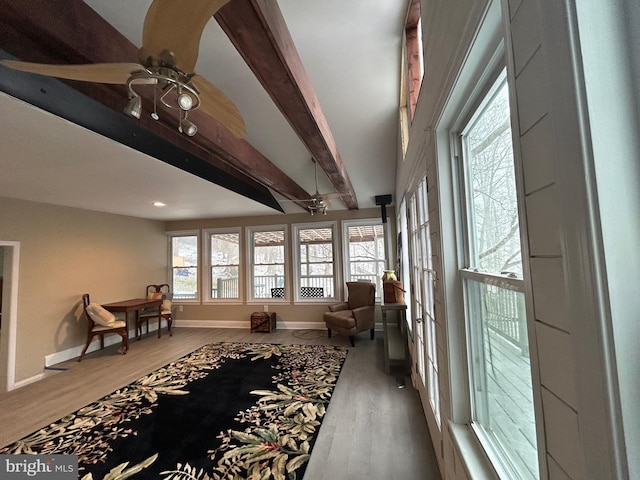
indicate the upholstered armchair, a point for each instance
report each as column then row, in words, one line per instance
column 355, row 315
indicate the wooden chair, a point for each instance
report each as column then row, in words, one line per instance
column 100, row 325
column 157, row 291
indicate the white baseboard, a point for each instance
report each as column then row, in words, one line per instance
column 74, row 352
column 243, row 324
column 26, row 382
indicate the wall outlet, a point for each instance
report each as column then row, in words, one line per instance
column 266, row 308
column 181, row 308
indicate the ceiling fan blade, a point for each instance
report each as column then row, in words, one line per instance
column 116, row 73
column 305, row 200
column 333, row 195
column 215, row 103
column 176, row 26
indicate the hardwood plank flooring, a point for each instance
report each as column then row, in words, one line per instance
column 372, row 429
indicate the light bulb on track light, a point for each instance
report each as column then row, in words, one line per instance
column 133, row 108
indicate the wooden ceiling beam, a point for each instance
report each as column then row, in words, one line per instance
column 413, row 14
column 259, row 32
column 50, row 31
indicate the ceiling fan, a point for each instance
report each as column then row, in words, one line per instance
column 319, row 202
column 171, row 39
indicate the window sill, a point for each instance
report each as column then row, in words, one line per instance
column 223, row 301
column 475, row 462
column 269, row 301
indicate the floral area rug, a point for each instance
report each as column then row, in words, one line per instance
column 225, row 411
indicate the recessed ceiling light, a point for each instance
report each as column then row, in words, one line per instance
column 159, row 204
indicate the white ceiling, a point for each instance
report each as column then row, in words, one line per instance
column 351, row 51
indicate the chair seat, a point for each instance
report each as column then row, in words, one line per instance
column 342, row 319
column 154, row 313
column 116, row 324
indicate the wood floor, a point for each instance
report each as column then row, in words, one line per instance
column 372, row 429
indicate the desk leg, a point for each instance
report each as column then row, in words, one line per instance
column 138, row 326
column 159, row 320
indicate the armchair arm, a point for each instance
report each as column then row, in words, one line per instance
column 365, row 316
column 339, row 307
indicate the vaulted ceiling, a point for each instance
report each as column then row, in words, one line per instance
column 311, row 79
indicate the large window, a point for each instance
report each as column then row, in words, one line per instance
column 183, row 247
column 500, row 372
column 413, row 57
column 364, row 252
column 314, row 252
column 423, row 277
column 267, row 279
column 223, row 264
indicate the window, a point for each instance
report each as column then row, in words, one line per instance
column 364, row 252
column 413, row 58
column 223, row 264
column 267, row 277
column 315, row 261
column 183, row 247
column 423, row 277
column 500, row 371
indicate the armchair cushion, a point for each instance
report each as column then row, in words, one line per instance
column 342, row 320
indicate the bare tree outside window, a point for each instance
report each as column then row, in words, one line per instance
column 495, row 224
column 268, row 264
column 366, row 254
column 315, row 262
column 500, row 369
column 224, row 252
column 184, row 267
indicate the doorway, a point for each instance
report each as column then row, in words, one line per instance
column 9, row 264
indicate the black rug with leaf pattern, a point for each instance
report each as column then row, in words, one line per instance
column 225, row 411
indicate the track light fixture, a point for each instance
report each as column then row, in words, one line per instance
column 313, row 209
column 174, row 90
column 187, row 127
column 133, row 108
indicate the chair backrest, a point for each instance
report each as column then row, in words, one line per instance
column 311, row 292
column 157, row 290
column 85, row 303
column 160, row 290
column 361, row 294
column 277, row 292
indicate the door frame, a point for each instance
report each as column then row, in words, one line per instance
column 10, row 315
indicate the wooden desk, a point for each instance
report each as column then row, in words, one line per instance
column 395, row 337
column 135, row 305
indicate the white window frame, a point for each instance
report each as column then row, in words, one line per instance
column 206, row 271
column 423, row 277
column 249, row 235
column 346, row 255
column 170, row 237
column 296, row 228
column 471, row 277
